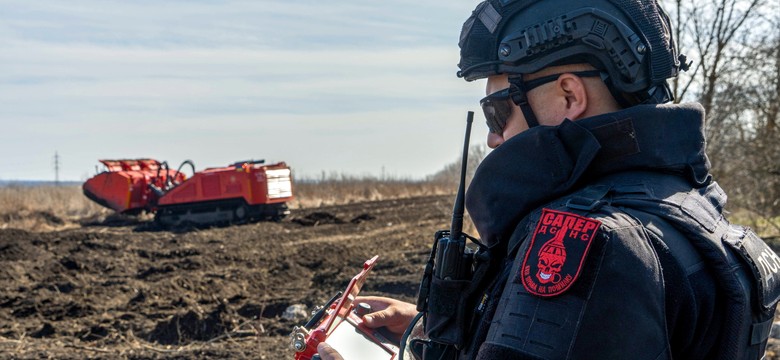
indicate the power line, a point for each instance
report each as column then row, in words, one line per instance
column 56, row 169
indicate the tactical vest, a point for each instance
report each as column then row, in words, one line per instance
column 745, row 268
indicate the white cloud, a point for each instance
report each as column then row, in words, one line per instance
column 348, row 88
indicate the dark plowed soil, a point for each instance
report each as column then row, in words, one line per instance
column 122, row 289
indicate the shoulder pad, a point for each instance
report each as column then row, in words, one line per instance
column 762, row 261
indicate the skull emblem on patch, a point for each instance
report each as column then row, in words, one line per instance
column 552, row 255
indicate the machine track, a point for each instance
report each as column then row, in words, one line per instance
column 221, row 212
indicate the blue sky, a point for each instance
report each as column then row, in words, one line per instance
column 341, row 86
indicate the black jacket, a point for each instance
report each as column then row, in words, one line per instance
column 635, row 287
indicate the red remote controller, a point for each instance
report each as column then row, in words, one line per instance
column 340, row 324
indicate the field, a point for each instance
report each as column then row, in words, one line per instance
column 81, row 283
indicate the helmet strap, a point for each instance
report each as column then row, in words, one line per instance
column 529, row 115
column 520, row 99
column 519, row 91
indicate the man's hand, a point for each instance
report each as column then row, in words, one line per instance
column 395, row 315
column 328, row 353
column 392, row 314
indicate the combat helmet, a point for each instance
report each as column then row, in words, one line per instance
column 628, row 41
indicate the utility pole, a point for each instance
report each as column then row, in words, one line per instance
column 56, row 169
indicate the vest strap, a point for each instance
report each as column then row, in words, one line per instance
column 588, row 199
column 760, row 332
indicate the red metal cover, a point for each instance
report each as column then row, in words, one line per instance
column 255, row 183
column 124, row 186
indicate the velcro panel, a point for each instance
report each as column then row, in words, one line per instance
column 762, row 260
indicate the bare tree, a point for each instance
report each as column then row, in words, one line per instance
column 759, row 93
column 709, row 27
column 450, row 174
column 748, row 110
column 680, row 16
column 735, row 47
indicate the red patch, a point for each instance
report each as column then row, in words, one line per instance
column 557, row 251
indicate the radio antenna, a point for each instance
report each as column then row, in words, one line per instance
column 456, row 229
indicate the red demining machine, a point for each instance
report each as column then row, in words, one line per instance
column 238, row 193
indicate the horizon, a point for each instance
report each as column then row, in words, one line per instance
column 351, row 88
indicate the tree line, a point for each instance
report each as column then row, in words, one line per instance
column 734, row 46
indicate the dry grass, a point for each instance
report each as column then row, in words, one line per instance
column 44, row 208
column 765, row 226
column 66, row 201
column 313, row 194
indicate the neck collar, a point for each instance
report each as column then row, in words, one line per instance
column 546, row 162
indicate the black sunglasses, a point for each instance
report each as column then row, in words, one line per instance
column 498, row 105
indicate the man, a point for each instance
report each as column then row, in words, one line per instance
column 596, row 209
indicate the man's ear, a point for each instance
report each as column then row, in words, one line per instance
column 573, row 89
